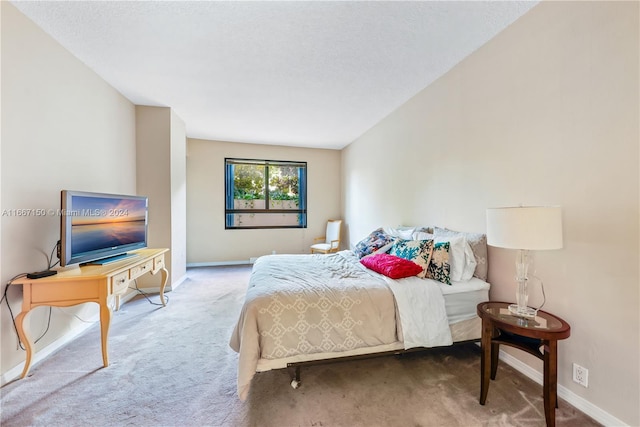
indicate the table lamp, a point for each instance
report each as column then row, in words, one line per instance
column 525, row 228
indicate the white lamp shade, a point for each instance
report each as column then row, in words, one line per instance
column 525, row 227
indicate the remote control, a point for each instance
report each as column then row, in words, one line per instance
column 41, row 274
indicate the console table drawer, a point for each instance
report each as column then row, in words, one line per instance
column 120, row 282
column 158, row 262
column 141, row 269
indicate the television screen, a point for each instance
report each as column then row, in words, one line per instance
column 100, row 228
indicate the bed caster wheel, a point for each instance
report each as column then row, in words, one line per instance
column 295, row 384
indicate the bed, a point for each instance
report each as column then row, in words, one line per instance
column 306, row 308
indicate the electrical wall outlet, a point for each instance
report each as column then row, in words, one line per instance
column 580, row 375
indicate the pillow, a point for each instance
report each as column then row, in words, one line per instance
column 422, row 235
column 384, row 249
column 478, row 243
column 377, row 239
column 391, row 265
column 461, row 259
column 400, row 232
column 428, row 229
column 418, row 251
column 470, row 262
column 439, row 268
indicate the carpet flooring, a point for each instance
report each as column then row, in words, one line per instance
column 172, row 366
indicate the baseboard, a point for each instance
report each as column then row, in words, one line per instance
column 218, row 263
column 177, row 282
column 578, row 402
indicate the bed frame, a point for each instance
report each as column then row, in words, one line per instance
column 293, row 368
column 465, row 332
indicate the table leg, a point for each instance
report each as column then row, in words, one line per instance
column 105, row 323
column 485, row 359
column 165, row 277
column 495, row 352
column 28, row 345
column 550, row 381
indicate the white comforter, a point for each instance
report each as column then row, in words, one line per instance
column 423, row 317
column 304, row 304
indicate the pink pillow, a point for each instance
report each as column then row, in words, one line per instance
column 391, row 265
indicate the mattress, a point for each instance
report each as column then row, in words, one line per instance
column 462, row 298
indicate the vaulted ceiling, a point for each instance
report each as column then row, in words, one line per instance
column 308, row 74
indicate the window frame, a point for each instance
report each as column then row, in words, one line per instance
column 230, row 211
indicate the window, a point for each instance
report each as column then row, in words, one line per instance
column 265, row 194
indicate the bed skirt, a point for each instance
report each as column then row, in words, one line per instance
column 467, row 330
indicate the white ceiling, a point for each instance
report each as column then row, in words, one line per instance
column 309, row 74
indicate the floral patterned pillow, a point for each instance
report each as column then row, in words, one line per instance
column 478, row 243
column 439, row 268
column 418, row 251
column 377, row 239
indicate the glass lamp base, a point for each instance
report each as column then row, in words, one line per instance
column 526, row 312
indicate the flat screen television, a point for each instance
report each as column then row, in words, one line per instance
column 101, row 228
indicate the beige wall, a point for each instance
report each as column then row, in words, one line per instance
column 63, row 127
column 178, row 198
column 161, row 175
column 546, row 113
column 207, row 239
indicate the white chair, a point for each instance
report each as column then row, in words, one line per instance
column 331, row 241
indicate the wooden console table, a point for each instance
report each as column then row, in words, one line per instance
column 89, row 283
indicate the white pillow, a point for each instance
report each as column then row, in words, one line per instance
column 470, row 262
column 421, row 235
column 402, row 232
column 461, row 259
